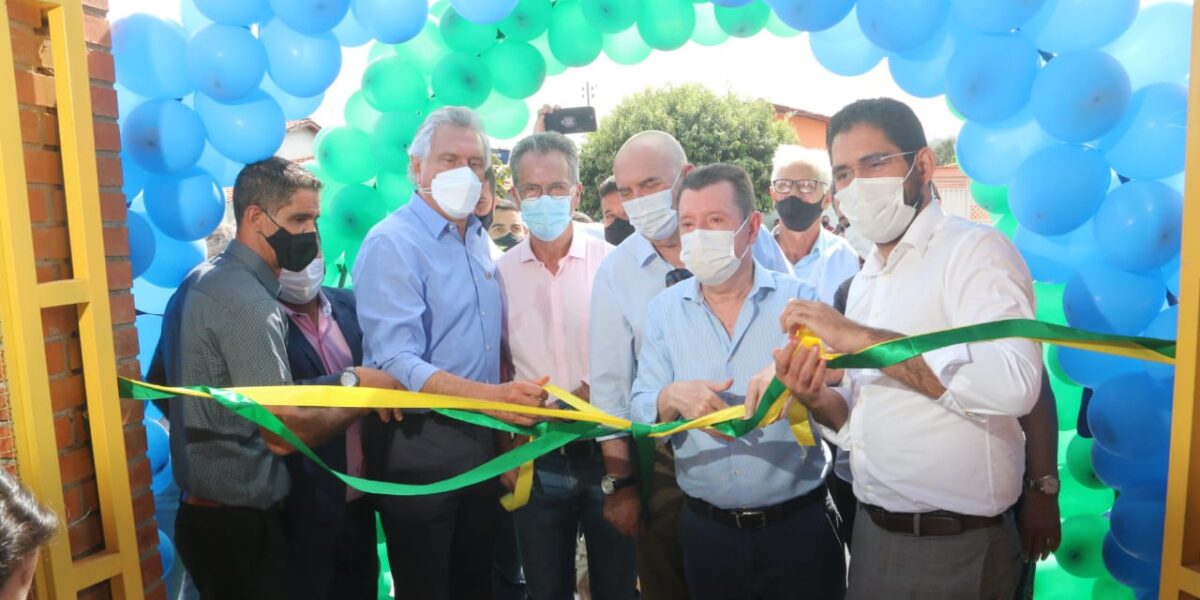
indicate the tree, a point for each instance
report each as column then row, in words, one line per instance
column 943, row 151
column 711, row 129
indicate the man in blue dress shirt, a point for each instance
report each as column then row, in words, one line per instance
column 754, row 521
column 430, row 309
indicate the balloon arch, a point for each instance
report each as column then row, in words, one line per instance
column 1074, row 126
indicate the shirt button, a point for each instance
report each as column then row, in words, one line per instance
column 738, row 472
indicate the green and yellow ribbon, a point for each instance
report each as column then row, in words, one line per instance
column 583, row 421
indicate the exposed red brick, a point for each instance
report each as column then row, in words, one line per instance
column 108, row 137
column 104, row 102
column 123, row 311
column 76, row 465
column 56, row 360
column 43, row 166
column 64, row 430
column 100, row 66
column 38, row 89
column 60, row 320
column 26, row 13
column 120, row 274
column 66, row 392
column 112, row 207
column 108, row 169
column 96, row 30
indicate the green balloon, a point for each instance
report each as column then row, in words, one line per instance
column 1053, row 582
column 518, row 69
column 1050, row 302
column 666, row 24
column 462, row 80
column 355, row 211
column 553, row 66
column 394, row 84
column 394, row 188
column 430, row 105
column 610, row 16
column 424, row 51
column 359, row 113
column 390, row 139
column 1079, row 553
column 503, row 117
column 743, row 21
column 1007, row 224
column 1075, row 499
column 1068, row 398
column 380, row 50
column 1107, row 588
column 708, row 32
column 573, row 41
column 466, row 36
column 626, row 47
column 437, row 9
column 345, row 154
column 992, row 198
column 778, row 28
column 1079, row 463
column 528, row 20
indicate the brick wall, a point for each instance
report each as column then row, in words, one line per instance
column 34, row 71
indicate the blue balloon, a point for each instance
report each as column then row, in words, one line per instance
column 1065, row 25
column 245, row 131
column 1171, row 276
column 1165, row 326
column 141, row 242
column 1127, row 568
column 349, row 33
column 133, row 177
column 301, row 65
column 391, row 21
column 310, row 17
column 1130, row 416
column 193, row 20
column 161, row 482
column 157, row 442
column 844, row 49
column 992, row 155
column 995, row 16
column 1091, row 369
column 233, row 12
column 1141, row 223
column 166, row 550
column 1149, row 141
column 149, row 410
column 150, row 298
column 728, row 3
column 225, row 171
column 148, row 54
column 1123, row 473
column 173, row 260
column 924, row 77
column 990, row 76
column 1109, row 300
column 293, row 108
column 901, row 25
column 149, row 327
column 1080, row 96
column 811, row 15
column 187, row 206
column 1137, row 522
column 126, row 102
column 225, row 61
column 1150, row 49
column 1056, row 258
column 163, row 136
column 488, row 12
column 1058, row 188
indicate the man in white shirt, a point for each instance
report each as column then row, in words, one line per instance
column 937, row 450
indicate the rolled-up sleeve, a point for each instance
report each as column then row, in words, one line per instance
column 390, row 289
column 611, row 350
column 654, row 371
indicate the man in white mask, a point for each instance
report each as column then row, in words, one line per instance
column 754, row 522
column 649, row 170
column 430, row 308
column 937, row 450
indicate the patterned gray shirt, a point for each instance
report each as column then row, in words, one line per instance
column 224, row 328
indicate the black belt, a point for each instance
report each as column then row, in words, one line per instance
column 756, row 518
column 938, row 522
column 582, row 449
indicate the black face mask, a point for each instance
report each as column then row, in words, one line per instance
column 486, row 221
column 507, row 241
column 293, row 250
column 796, row 214
column 617, row 231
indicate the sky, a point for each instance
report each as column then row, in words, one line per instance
column 779, row 70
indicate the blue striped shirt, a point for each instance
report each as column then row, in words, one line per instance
column 685, row 341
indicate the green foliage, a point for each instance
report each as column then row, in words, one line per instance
column 943, row 151
column 710, row 127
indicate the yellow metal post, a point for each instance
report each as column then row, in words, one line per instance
column 1181, row 539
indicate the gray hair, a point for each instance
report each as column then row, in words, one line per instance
column 788, row 155
column 457, row 116
column 545, row 143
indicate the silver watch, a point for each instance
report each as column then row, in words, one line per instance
column 349, row 377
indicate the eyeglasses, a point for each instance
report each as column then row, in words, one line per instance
column 802, row 186
column 533, row 191
column 869, row 166
column 674, row 276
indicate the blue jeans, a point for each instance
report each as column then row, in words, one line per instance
column 566, row 498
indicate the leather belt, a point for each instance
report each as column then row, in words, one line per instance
column 935, row 523
column 201, row 502
column 756, row 518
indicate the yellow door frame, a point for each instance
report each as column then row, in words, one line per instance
column 22, row 300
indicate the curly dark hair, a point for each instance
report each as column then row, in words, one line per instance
column 25, row 525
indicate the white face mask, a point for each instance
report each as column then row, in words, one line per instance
column 653, row 215
column 456, row 191
column 709, row 254
column 300, row 287
column 875, row 207
column 862, row 246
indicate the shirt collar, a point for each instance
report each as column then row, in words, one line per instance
column 643, row 250
column 763, row 280
column 243, row 254
column 578, row 248
column 436, row 224
column 325, row 307
column 915, row 239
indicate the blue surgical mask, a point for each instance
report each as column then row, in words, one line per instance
column 546, row 217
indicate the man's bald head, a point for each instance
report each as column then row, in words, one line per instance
column 647, row 162
column 660, row 143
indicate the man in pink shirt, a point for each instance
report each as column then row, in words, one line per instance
column 546, row 281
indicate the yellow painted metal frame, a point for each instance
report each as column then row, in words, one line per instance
column 21, row 302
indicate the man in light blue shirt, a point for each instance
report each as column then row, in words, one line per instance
column 430, row 308
column 648, row 170
column 754, row 521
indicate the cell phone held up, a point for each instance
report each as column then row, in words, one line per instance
column 579, row 119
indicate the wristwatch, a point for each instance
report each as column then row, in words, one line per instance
column 609, row 484
column 349, row 377
column 1047, row 484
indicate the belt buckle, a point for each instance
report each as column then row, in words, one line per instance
column 750, row 519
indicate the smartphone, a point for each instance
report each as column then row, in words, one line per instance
column 580, row 119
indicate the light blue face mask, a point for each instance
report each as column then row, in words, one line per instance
column 547, row 217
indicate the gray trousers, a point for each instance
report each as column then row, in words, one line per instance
column 977, row 564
